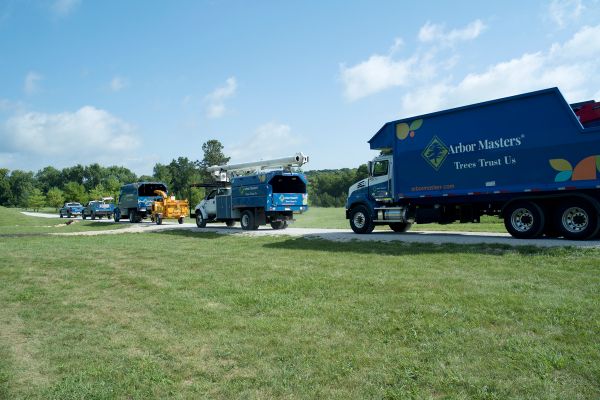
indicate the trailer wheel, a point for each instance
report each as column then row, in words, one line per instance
column 400, row 226
column 360, row 220
column 524, row 220
column 230, row 223
column 158, row 219
column 200, row 222
column 577, row 220
column 279, row 224
column 248, row 221
column 180, row 220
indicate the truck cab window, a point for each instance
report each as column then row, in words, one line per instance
column 380, row 168
column 211, row 195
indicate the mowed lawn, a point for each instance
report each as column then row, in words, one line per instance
column 197, row 315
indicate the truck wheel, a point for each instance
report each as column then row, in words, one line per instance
column 132, row 216
column 279, row 224
column 524, row 220
column 69, row 215
column 83, row 215
column 247, row 221
column 158, row 219
column 577, row 220
column 180, row 220
column 360, row 220
column 117, row 215
column 230, row 223
column 93, row 215
column 200, row 221
column 61, row 215
column 400, row 226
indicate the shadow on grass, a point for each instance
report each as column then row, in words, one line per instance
column 400, row 248
column 187, row 232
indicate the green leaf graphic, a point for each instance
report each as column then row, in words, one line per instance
column 402, row 130
column 561, row 164
column 563, row 176
column 416, row 124
column 598, row 163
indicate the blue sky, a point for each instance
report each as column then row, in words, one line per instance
column 139, row 82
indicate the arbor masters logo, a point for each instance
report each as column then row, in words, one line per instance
column 435, row 153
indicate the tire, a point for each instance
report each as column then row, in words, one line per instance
column 230, row 223
column 279, row 225
column 524, row 220
column 132, row 216
column 180, row 220
column 400, row 226
column 158, row 219
column 93, row 216
column 360, row 220
column 247, row 221
column 61, row 215
column 200, row 221
column 83, row 216
column 117, row 216
column 69, row 215
column 577, row 220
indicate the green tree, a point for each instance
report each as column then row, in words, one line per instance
column 47, row 178
column 98, row 192
column 6, row 196
column 55, row 197
column 21, row 184
column 75, row 192
column 213, row 154
column 36, row 199
column 183, row 172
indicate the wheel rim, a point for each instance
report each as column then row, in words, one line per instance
column 359, row 220
column 198, row 219
column 245, row 220
column 522, row 219
column 575, row 219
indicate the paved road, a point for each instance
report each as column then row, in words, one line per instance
column 341, row 235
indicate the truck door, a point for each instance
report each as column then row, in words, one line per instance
column 211, row 204
column 379, row 180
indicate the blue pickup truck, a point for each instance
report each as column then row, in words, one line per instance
column 99, row 208
column 70, row 210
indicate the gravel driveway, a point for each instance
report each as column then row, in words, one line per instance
column 339, row 235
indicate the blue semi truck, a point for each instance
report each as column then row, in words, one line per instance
column 528, row 159
column 256, row 193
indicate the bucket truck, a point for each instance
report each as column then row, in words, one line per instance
column 254, row 193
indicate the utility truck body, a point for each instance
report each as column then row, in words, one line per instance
column 526, row 158
column 136, row 200
column 257, row 193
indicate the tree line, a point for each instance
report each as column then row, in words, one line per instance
column 52, row 187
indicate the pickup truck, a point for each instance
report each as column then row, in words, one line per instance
column 70, row 210
column 99, row 208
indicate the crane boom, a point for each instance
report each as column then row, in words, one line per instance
column 222, row 171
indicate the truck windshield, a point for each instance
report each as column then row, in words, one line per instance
column 380, row 168
column 287, row 184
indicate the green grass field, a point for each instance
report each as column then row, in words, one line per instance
column 335, row 218
column 197, row 315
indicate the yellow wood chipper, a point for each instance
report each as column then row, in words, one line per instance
column 169, row 208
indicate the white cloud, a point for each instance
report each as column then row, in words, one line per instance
column 563, row 12
column 566, row 66
column 216, row 100
column 84, row 136
column 31, row 84
column 436, row 33
column 118, row 83
column 62, row 8
column 270, row 140
column 381, row 72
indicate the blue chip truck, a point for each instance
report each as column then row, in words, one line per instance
column 256, row 193
column 136, row 199
column 531, row 159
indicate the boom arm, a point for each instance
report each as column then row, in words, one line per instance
column 223, row 171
